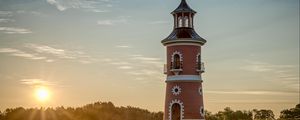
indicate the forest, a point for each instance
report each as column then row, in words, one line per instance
column 108, row 111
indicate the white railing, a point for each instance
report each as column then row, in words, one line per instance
column 202, row 68
column 165, row 69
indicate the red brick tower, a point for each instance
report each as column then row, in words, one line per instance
column 184, row 97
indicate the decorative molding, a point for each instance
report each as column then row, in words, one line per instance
column 176, row 44
column 184, row 40
column 177, row 53
column 181, row 108
column 195, row 78
column 176, row 90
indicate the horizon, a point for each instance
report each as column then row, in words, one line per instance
column 81, row 52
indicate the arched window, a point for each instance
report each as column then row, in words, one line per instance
column 199, row 62
column 176, row 115
column 180, row 21
column 186, row 21
column 176, row 61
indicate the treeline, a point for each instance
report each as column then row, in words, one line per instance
column 96, row 111
column 107, row 111
column 229, row 114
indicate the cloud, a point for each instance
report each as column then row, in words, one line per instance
column 287, row 75
column 112, row 22
column 19, row 53
column 6, row 13
column 36, row 82
column 80, row 56
column 87, row 5
column 122, row 46
column 49, row 54
column 57, row 4
column 145, row 58
column 255, row 66
column 125, row 67
column 4, row 20
column 253, row 92
column 12, row 30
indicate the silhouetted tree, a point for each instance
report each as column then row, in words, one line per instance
column 229, row 114
column 263, row 114
column 290, row 114
column 96, row 111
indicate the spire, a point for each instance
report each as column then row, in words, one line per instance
column 183, row 7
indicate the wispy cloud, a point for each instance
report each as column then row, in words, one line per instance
column 13, row 30
column 142, row 58
column 6, row 13
column 62, row 53
column 255, row 66
column 125, row 67
column 122, row 46
column 253, row 92
column 112, row 22
column 37, row 82
column 4, row 20
column 49, row 54
column 87, row 5
column 284, row 74
column 19, row 53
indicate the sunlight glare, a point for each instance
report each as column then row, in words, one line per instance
column 42, row 94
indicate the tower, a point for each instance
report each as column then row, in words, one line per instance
column 184, row 97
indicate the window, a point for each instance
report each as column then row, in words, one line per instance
column 180, row 21
column 176, row 61
column 186, row 21
column 176, row 115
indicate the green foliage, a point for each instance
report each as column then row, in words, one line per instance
column 291, row 114
column 107, row 111
column 229, row 114
column 264, row 115
column 96, row 111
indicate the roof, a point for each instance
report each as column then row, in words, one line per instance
column 184, row 34
column 183, row 7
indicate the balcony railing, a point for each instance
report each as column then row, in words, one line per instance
column 201, row 68
column 165, row 69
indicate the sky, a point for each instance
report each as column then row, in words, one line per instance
column 85, row 51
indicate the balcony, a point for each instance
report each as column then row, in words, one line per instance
column 201, row 68
column 165, row 69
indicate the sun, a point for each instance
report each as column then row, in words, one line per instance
column 42, row 94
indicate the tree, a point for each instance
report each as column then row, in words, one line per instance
column 263, row 114
column 95, row 111
column 290, row 114
column 229, row 114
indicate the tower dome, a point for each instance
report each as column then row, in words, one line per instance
column 183, row 31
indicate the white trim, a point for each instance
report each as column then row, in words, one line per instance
column 184, row 40
column 181, row 109
column 184, row 78
column 197, row 58
column 174, row 90
column 177, row 53
column 176, row 44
